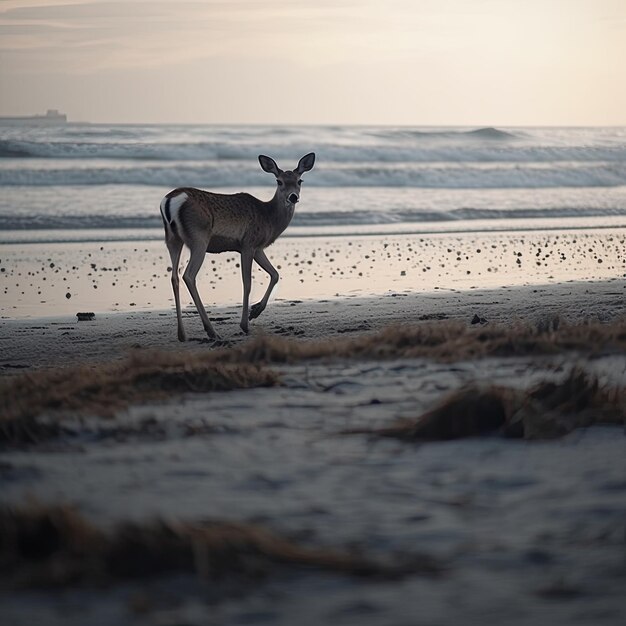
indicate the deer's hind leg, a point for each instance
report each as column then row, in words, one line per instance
column 175, row 246
column 197, row 248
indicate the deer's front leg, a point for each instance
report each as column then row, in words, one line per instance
column 265, row 264
column 246, row 276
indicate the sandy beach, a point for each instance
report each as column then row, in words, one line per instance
column 117, row 421
column 328, row 287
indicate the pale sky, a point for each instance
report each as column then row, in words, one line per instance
column 416, row 62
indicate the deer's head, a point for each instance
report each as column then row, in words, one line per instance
column 288, row 183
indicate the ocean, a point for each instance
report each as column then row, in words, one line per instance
column 93, row 182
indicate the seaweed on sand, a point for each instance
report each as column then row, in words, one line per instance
column 442, row 341
column 548, row 410
column 54, row 546
column 105, row 388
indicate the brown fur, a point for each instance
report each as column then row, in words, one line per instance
column 260, row 222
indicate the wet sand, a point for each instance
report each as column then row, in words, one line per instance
column 47, row 280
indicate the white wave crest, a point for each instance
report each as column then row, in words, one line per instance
column 437, row 176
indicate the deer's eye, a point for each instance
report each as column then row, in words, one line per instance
column 300, row 182
column 280, row 183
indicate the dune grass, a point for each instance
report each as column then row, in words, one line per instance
column 54, row 546
column 442, row 341
column 546, row 411
column 31, row 403
column 109, row 387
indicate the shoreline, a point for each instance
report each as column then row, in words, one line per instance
column 519, row 226
column 46, row 280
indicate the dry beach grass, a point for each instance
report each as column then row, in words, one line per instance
column 109, row 387
column 547, row 411
column 147, row 376
column 54, row 546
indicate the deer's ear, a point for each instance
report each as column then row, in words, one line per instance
column 269, row 165
column 306, row 163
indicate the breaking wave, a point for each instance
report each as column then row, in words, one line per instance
column 435, row 176
column 388, row 145
column 147, row 220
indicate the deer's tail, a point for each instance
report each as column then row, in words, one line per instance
column 170, row 208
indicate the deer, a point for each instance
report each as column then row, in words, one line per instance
column 208, row 222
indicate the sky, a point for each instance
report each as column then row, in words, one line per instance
column 398, row 62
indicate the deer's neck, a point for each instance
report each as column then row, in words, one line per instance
column 280, row 214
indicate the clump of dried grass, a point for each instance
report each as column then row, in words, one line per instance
column 55, row 546
column 546, row 411
column 443, row 341
column 105, row 388
column 145, row 376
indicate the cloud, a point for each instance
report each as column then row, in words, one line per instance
column 114, row 35
column 375, row 57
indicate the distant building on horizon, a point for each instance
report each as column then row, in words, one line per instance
column 51, row 118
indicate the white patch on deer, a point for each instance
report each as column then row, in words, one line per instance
column 163, row 207
column 175, row 203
